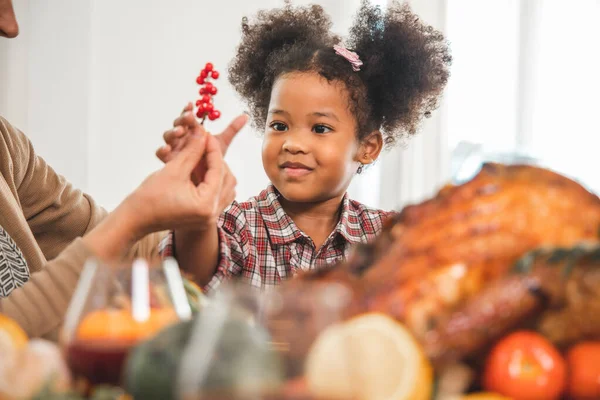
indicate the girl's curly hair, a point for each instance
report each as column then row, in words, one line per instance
column 406, row 63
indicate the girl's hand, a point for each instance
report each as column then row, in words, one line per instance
column 228, row 190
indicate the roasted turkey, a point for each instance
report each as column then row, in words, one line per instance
column 446, row 267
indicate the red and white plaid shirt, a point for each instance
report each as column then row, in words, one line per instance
column 260, row 243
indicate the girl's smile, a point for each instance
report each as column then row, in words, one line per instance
column 295, row 170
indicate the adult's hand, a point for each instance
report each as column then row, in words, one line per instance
column 175, row 141
column 168, row 199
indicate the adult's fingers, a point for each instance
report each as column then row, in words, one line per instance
column 191, row 154
column 213, row 178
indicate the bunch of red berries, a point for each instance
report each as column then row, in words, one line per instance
column 205, row 104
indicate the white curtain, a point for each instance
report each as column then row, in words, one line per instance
column 565, row 129
column 524, row 80
column 538, row 92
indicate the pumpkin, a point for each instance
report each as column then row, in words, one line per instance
column 11, row 334
column 118, row 324
column 33, row 369
column 242, row 358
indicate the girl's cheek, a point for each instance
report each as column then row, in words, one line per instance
column 268, row 144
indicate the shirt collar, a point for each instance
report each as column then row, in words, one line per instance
column 282, row 230
column 349, row 226
column 280, row 227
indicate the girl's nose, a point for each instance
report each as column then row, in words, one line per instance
column 295, row 142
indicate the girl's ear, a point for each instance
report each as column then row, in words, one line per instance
column 369, row 148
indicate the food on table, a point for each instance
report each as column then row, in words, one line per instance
column 583, row 362
column 453, row 381
column 525, row 366
column 370, row 357
column 241, row 360
column 119, row 324
column 485, row 396
column 36, row 367
column 558, row 293
column 445, row 267
column 11, row 333
column 452, row 282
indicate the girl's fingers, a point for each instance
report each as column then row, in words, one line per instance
column 173, row 134
column 164, row 153
column 187, row 119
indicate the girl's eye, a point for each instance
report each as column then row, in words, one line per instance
column 279, row 126
column 320, row 129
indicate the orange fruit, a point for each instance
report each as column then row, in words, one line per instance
column 485, row 396
column 12, row 331
column 525, row 365
column 370, row 357
column 583, row 362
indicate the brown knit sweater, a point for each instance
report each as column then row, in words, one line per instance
column 45, row 217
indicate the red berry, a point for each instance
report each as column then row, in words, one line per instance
column 200, row 80
column 208, row 67
column 208, row 85
column 202, row 91
column 215, row 75
column 198, row 102
column 214, row 115
column 208, row 107
column 213, row 90
column 200, row 113
column 205, row 99
column 203, row 73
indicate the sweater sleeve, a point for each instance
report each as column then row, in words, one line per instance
column 39, row 306
column 58, row 215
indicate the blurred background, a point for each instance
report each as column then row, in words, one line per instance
column 94, row 83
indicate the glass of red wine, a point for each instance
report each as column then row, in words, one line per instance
column 112, row 310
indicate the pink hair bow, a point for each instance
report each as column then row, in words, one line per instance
column 351, row 56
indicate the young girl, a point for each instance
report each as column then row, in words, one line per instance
column 327, row 111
